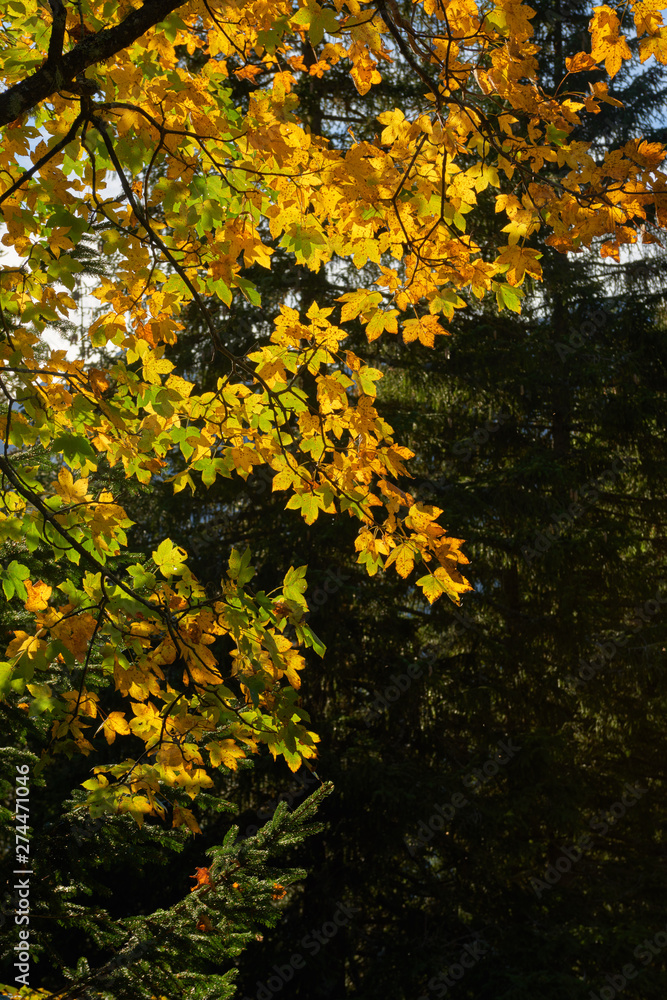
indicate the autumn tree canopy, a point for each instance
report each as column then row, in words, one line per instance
column 123, row 139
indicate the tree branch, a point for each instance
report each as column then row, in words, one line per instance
column 59, row 69
column 57, row 33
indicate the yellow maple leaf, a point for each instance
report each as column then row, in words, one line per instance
column 395, row 125
column 256, row 252
column 38, row 595
column 115, row 724
column 425, row 329
column 179, row 385
column 154, row 366
column 147, row 721
column 82, row 702
column 24, row 644
column 404, row 557
column 138, row 806
column 75, row 633
column 519, row 261
column 248, row 72
column 421, row 516
column 364, row 72
column 182, row 815
column 171, row 755
column 58, row 240
column 439, row 582
column 225, row 753
column 70, row 491
column 647, row 16
column 201, row 667
column 655, row 45
column 381, row 320
column 606, row 41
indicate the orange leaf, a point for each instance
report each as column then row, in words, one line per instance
column 580, row 63
column 202, row 876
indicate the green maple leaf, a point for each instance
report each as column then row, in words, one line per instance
column 318, row 20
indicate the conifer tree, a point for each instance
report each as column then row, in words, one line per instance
column 112, row 915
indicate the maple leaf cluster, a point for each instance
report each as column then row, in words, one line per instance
column 181, row 189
